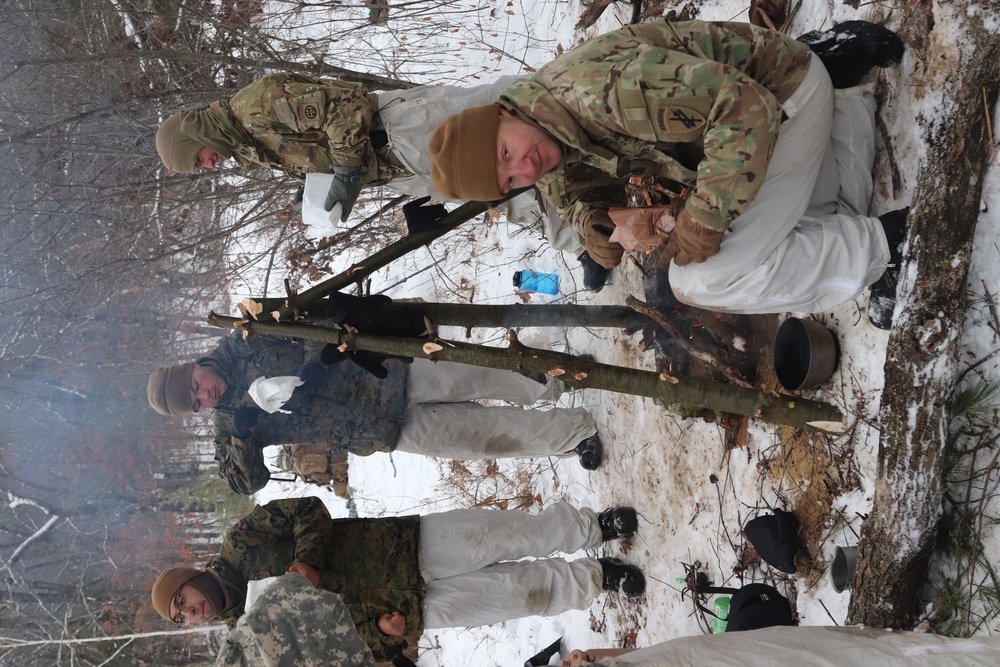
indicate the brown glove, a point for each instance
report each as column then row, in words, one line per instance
column 690, row 242
column 597, row 237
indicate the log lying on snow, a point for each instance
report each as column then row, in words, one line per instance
column 921, row 363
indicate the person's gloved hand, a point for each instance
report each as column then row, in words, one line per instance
column 345, row 188
column 372, row 362
column 597, row 232
column 371, row 314
column 313, row 377
column 330, row 355
column 368, row 361
column 690, row 242
column 297, row 198
column 244, row 419
column 390, row 651
column 420, row 218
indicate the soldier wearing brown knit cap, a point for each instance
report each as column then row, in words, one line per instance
column 419, row 408
column 738, row 120
column 169, row 389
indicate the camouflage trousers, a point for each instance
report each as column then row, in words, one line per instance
column 468, row 584
column 442, row 420
column 805, row 243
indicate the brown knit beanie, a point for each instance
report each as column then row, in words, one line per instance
column 167, row 585
column 169, row 389
column 206, row 582
column 184, row 134
column 463, row 152
column 177, row 150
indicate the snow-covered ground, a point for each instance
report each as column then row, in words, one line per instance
column 661, row 464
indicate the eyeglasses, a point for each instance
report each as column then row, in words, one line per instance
column 180, row 602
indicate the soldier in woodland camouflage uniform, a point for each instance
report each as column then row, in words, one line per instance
column 421, row 408
column 399, row 576
column 741, row 116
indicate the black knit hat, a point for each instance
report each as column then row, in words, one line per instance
column 776, row 539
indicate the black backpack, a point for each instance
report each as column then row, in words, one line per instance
column 751, row 607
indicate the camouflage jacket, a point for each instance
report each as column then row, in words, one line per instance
column 297, row 124
column 354, row 412
column 692, row 102
column 371, row 563
column 293, row 624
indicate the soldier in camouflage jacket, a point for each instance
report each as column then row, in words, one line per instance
column 420, row 408
column 288, row 122
column 293, row 624
column 740, row 116
column 399, row 576
column 297, row 125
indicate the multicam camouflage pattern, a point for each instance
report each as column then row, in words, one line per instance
column 354, row 412
column 371, row 563
column 293, row 624
column 691, row 102
column 297, row 124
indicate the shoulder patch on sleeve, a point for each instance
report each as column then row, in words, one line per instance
column 302, row 112
column 677, row 119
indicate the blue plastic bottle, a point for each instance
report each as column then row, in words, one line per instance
column 531, row 281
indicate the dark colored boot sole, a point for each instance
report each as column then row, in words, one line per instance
column 851, row 49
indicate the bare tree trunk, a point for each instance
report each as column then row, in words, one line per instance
column 475, row 315
column 921, row 364
column 574, row 371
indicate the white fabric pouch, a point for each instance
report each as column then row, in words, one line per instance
column 319, row 222
column 272, row 393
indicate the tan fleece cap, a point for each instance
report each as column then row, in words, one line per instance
column 167, row 585
column 169, row 389
column 463, row 153
column 177, row 150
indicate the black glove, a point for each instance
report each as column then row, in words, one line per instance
column 372, row 314
column 345, row 188
column 330, row 355
column 372, row 362
column 297, row 198
column 245, row 419
column 313, row 377
column 420, row 218
column 394, row 654
column 368, row 361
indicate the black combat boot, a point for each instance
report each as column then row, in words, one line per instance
column 591, row 452
column 621, row 577
column 851, row 49
column 595, row 276
column 617, row 522
column 882, row 300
